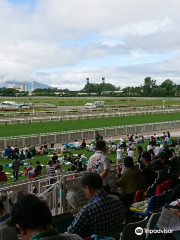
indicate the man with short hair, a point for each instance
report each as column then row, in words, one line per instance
column 100, row 163
column 131, row 181
column 32, row 216
column 104, row 213
column 148, row 173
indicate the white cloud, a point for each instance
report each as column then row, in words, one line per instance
column 57, row 34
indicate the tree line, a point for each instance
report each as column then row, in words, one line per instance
column 149, row 89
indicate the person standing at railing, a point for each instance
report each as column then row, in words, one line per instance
column 100, row 163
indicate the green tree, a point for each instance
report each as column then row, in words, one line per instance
column 149, row 84
column 170, row 87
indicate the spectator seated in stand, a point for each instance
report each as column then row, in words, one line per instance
column 103, row 214
column 90, row 148
column 64, row 148
column 42, row 150
column 3, row 177
column 165, row 146
column 58, row 168
column 163, row 175
column 83, row 144
column 33, row 151
column 110, row 139
column 29, row 168
column 22, row 156
column 130, row 182
column 54, row 158
column 78, row 165
column 76, row 145
column 69, row 158
column 147, row 171
column 28, row 154
column 16, row 149
column 33, row 218
column 7, row 152
column 36, row 171
column 113, row 148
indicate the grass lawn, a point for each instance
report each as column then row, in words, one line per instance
column 57, row 126
column 44, row 159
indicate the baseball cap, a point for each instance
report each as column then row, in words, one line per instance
column 156, row 164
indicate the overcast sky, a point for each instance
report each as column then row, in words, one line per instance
column 63, row 42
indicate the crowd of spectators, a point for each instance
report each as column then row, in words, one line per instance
column 106, row 210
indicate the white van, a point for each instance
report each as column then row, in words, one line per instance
column 90, row 105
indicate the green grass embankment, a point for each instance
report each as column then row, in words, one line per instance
column 57, row 126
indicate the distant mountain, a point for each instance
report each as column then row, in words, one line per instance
column 28, row 85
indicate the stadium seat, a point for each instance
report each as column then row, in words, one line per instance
column 164, row 186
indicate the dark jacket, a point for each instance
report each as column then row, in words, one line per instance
column 164, row 175
column 149, row 175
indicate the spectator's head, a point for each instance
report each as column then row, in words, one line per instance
column 73, row 168
column 30, row 215
column 139, row 149
column 128, row 162
column 37, row 162
column 16, row 157
column 101, row 145
column 146, row 158
column 92, row 183
column 157, row 165
column 169, row 152
column 152, row 156
column 1, row 168
column 163, row 156
column 50, row 163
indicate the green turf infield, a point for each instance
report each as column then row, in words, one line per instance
column 57, row 126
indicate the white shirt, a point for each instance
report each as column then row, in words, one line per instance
column 76, row 144
column 121, row 140
column 90, row 148
column 148, row 137
column 149, row 147
column 157, row 150
column 110, row 139
column 113, row 147
column 166, row 139
column 119, row 154
column 131, row 154
column 98, row 163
